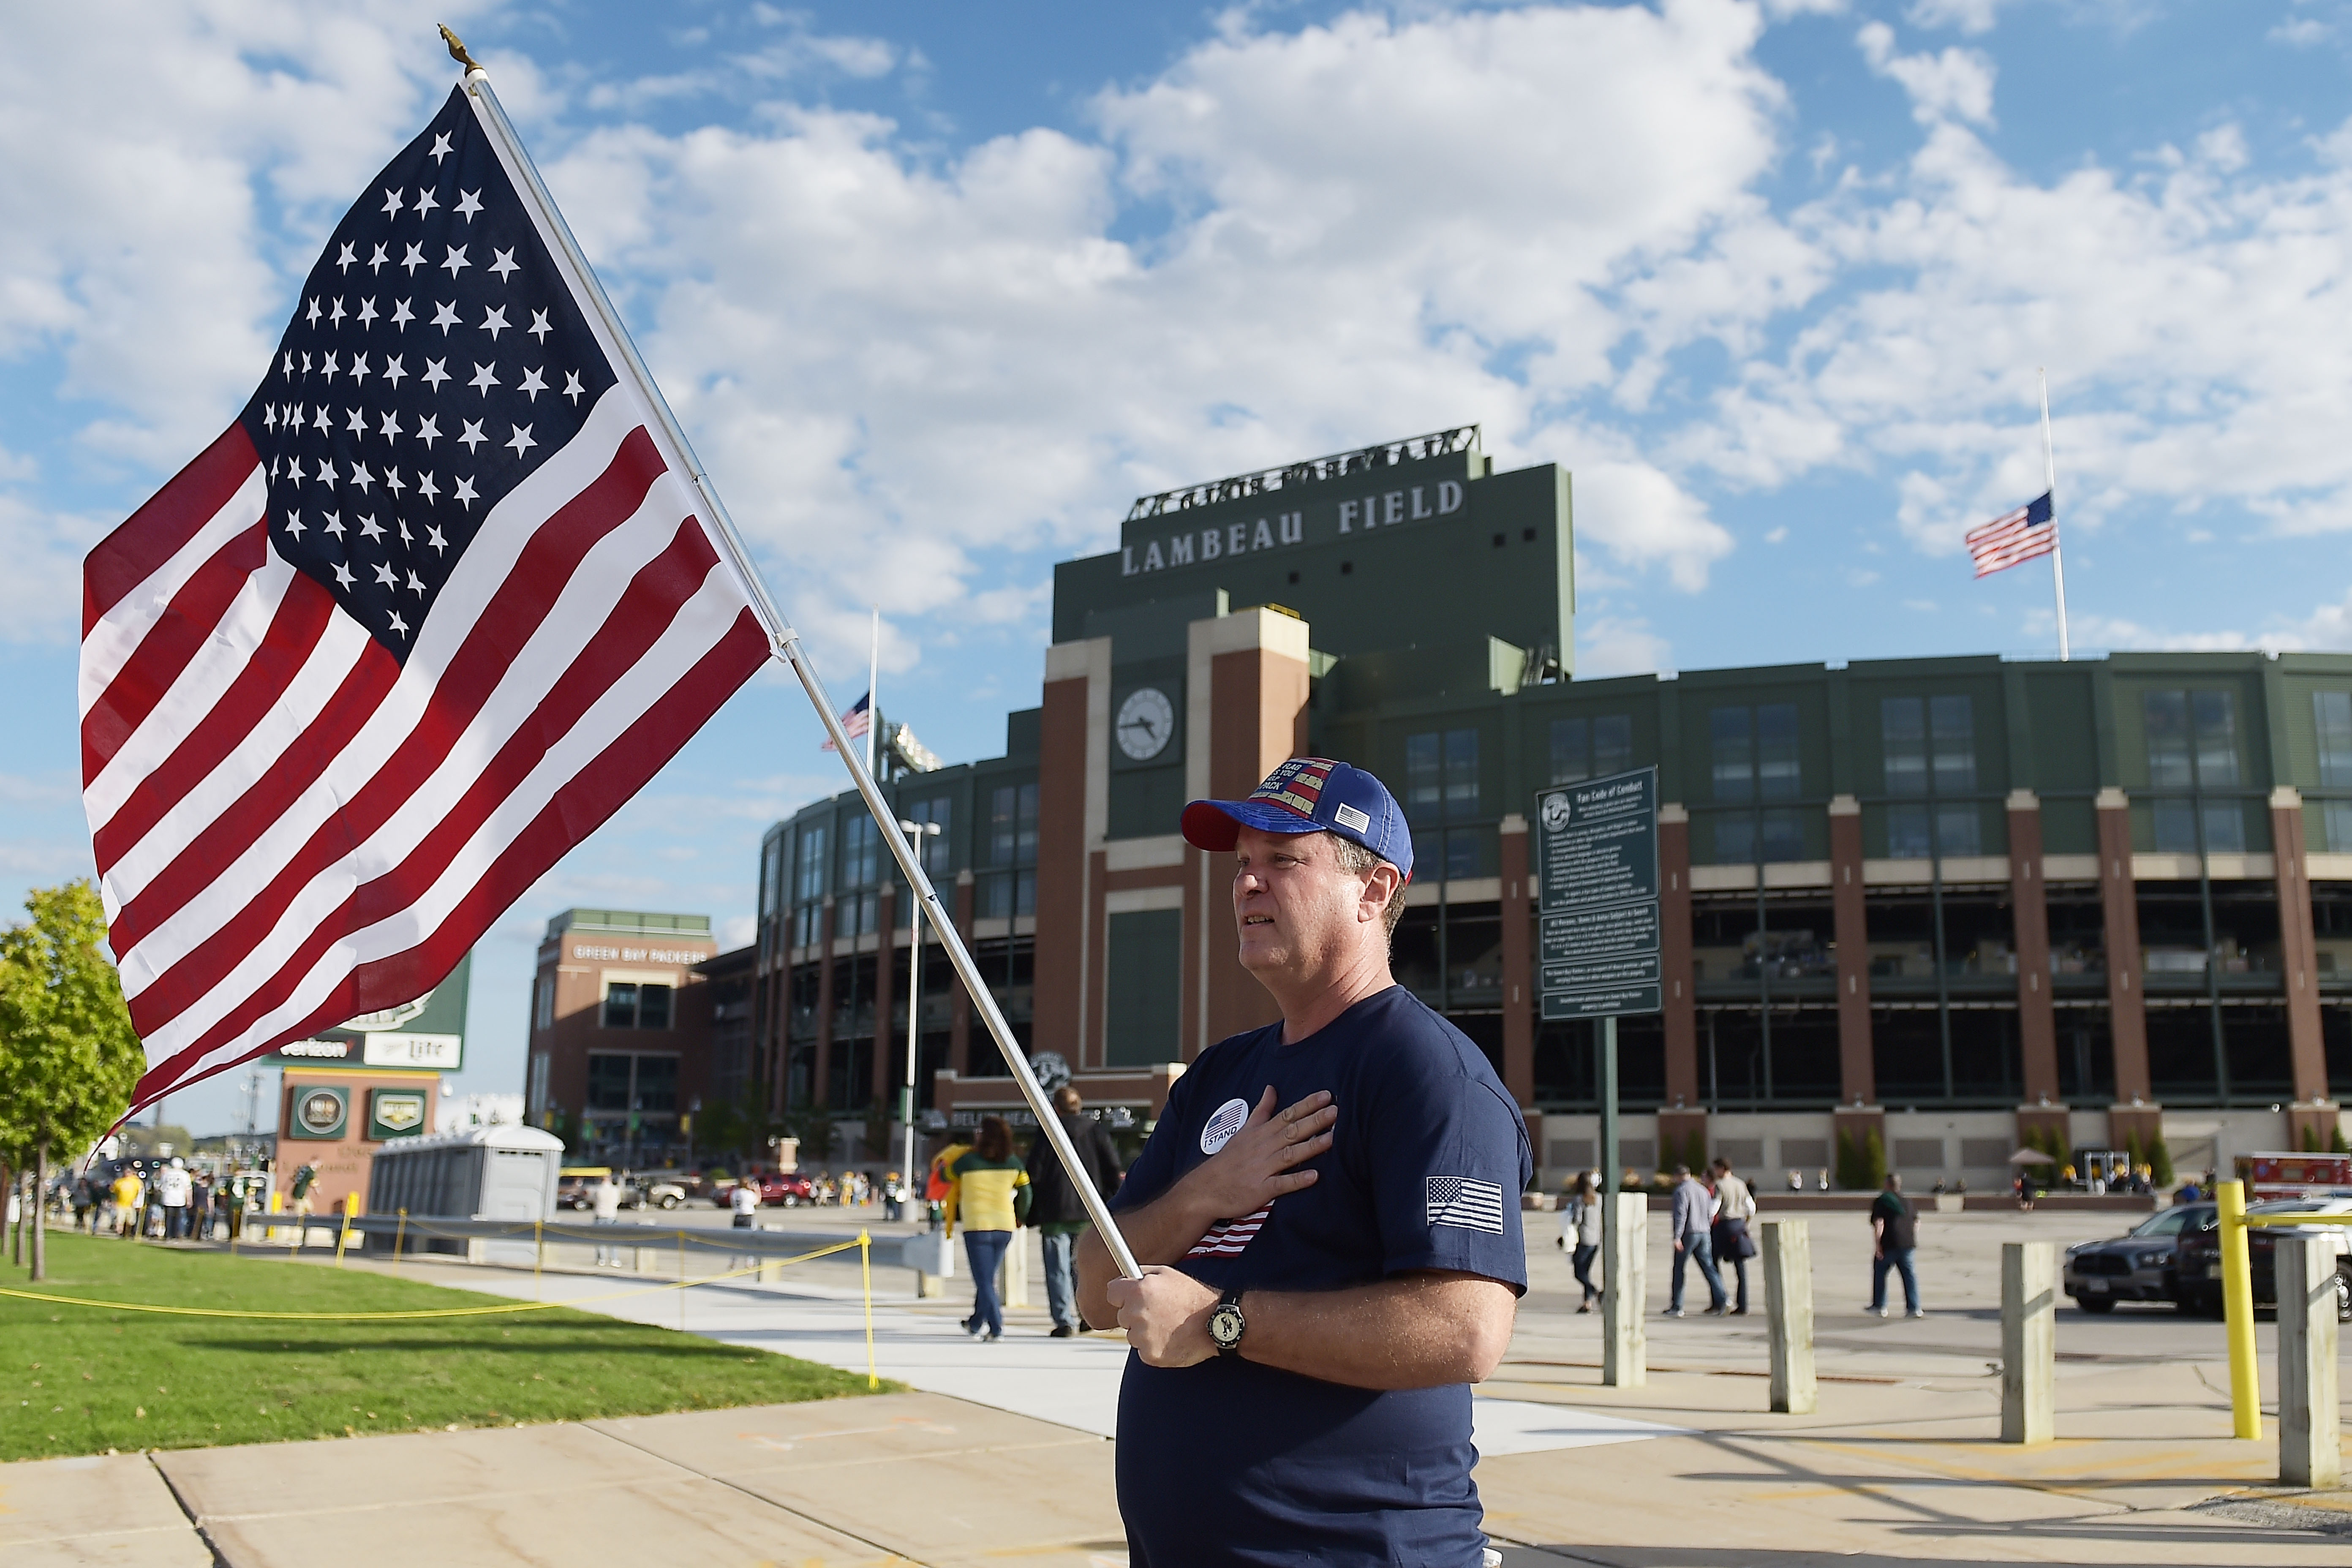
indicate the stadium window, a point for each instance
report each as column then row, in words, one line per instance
column 2192, row 746
column 1590, row 749
column 1927, row 746
column 608, row 1081
column 656, row 1089
column 861, row 852
column 934, row 848
column 630, row 1004
column 2332, row 712
column 808, row 883
column 1440, row 770
column 543, row 1003
column 1755, row 756
column 1461, row 773
column 1013, row 826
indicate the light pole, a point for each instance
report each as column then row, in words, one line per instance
column 916, row 833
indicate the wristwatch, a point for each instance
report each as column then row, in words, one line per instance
column 1226, row 1324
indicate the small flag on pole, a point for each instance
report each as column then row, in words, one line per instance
column 856, row 721
column 441, row 598
column 2014, row 538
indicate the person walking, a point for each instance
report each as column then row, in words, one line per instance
column 605, row 1196
column 173, row 1184
column 1895, row 1235
column 129, row 1192
column 1735, row 1210
column 1692, row 1217
column 1580, row 1232
column 992, row 1197
column 1056, row 1209
column 1326, row 1216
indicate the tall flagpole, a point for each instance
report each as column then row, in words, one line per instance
column 873, row 678
column 786, row 644
column 2057, row 544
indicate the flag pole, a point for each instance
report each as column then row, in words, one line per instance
column 872, row 686
column 786, row 645
column 2050, row 483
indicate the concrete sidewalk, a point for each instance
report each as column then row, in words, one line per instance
column 1886, row 1476
column 999, row 1455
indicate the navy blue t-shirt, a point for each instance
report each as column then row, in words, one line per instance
column 1233, row 1462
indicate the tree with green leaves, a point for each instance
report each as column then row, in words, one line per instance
column 68, row 1056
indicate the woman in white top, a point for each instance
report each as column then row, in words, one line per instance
column 1579, row 1233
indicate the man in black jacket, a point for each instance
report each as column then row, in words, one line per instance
column 1057, row 1211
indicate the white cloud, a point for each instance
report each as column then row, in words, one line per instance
column 897, row 366
column 2300, row 32
column 1967, row 15
column 2175, row 312
column 1619, row 645
column 1954, row 84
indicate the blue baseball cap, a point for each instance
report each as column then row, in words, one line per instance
column 1309, row 794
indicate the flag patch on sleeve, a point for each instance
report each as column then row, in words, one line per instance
column 1461, row 1200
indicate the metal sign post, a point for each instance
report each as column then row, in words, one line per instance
column 1597, row 946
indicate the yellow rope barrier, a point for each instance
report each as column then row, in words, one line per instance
column 682, row 1285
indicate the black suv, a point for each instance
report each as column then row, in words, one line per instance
column 2143, row 1266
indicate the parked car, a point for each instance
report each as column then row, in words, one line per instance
column 2141, row 1265
column 2200, row 1261
column 653, row 1190
column 575, row 1186
column 786, row 1191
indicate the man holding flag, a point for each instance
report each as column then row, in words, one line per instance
column 1329, row 1213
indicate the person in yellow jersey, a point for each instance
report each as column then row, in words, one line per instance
column 129, row 1191
column 989, row 1198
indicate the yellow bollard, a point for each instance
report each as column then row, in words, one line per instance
column 344, row 1237
column 399, row 1236
column 2238, row 1312
column 865, row 1273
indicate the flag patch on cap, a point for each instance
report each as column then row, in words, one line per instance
column 1297, row 784
column 1347, row 816
column 1464, row 1201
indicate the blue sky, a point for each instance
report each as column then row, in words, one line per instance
column 938, row 288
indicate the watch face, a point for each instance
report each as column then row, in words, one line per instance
column 1226, row 1325
column 1146, row 723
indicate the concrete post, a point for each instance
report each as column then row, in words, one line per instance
column 1012, row 1275
column 1624, row 1338
column 2028, row 1341
column 2311, row 1452
column 1789, row 1306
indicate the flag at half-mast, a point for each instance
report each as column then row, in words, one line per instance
column 2014, row 538
column 855, row 723
column 440, row 599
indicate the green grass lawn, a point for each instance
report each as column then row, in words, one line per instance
column 83, row 1380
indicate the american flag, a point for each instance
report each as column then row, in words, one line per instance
column 855, row 723
column 2015, row 537
column 1227, row 1238
column 437, row 603
column 1464, row 1201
